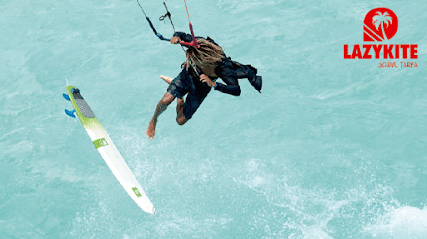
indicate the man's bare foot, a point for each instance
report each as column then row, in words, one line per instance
column 151, row 130
column 167, row 79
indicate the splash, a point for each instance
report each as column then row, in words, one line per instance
column 404, row 222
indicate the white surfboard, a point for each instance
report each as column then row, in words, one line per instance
column 107, row 149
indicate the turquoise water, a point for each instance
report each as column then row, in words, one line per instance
column 332, row 148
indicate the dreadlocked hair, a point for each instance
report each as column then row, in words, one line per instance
column 206, row 56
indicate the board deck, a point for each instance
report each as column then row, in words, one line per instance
column 108, row 150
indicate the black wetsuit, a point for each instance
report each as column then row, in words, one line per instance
column 228, row 70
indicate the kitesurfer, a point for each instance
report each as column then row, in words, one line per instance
column 204, row 65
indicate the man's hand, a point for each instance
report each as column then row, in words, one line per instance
column 205, row 78
column 175, row 40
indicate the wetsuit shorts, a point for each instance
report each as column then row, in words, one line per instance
column 185, row 84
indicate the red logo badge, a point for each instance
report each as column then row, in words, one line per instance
column 380, row 24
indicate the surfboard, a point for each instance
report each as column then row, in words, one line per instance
column 107, row 149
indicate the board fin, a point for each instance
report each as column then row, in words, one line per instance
column 70, row 113
column 66, row 96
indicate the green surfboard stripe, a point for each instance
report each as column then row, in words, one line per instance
column 100, row 142
column 136, row 191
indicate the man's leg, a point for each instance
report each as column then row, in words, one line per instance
column 180, row 118
column 161, row 106
column 194, row 99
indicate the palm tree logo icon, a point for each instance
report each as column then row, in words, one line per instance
column 380, row 24
column 379, row 19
